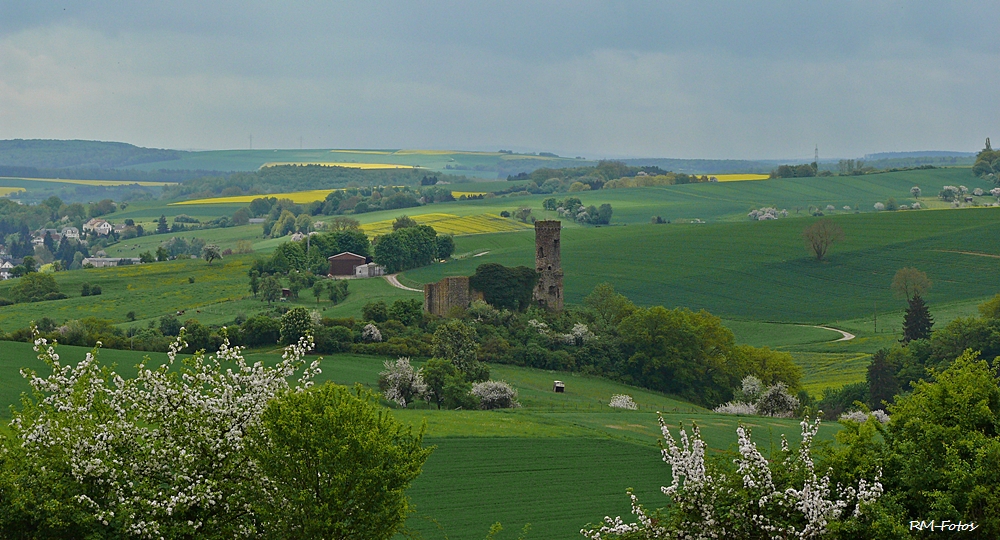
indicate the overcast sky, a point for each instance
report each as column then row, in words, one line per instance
column 696, row 79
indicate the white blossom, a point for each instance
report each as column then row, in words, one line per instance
column 371, row 334
column 495, row 395
column 623, row 401
column 401, row 383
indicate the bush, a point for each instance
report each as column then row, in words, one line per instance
column 261, row 330
column 54, row 296
column 375, row 312
column 333, row 339
column 6, row 302
column 33, row 287
column 400, row 383
column 495, row 395
column 95, row 290
column 295, row 324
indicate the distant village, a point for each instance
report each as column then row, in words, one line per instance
column 52, row 238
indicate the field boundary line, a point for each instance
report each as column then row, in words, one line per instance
column 976, row 253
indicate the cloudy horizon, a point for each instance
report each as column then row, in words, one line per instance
column 599, row 79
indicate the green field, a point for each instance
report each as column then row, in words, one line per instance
column 561, row 461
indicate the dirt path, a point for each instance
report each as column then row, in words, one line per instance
column 975, row 253
column 847, row 335
column 391, row 278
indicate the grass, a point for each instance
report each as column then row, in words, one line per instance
column 710, row 266
column 561, row 461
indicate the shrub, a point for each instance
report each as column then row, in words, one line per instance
column 401, row 383
column 495, row 395
column 33, row 287
column 95, row 290
column 371, row 334
column 622, row 401
column 261, row 330
column 54, row 296
column 6, row 302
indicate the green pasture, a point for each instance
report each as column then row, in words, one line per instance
column 761, row 270
column 220, row 292
column 561, row 461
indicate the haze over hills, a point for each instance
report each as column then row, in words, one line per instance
column 19, row 156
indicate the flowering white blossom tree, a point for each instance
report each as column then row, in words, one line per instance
column 371, row 334
column 401, row 383
column 623, row 401
column 780, row 498
column 495, row 395
column 160, row 455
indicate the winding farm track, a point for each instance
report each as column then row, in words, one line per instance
column 391, row 278
column 847, row 335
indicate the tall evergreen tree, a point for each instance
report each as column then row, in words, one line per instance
column 883, row 384
column 917, row 321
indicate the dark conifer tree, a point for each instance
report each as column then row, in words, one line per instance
column 917, row 321
column 883, row 385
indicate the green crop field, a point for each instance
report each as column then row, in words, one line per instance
column 561, row 461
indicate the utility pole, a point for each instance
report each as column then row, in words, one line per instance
column 876, row 316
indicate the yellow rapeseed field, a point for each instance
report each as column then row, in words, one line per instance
column 452, row 224
column 458, row 194
column 99, row 182
column 376, row 152
column 297, row 197
column 362, row 166
column 4, row 191
column 738, row 177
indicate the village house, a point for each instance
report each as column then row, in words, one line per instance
column 6, row 267
column 105, row 262
column 343, row 264
column 38, row 238
column 98, row 226
column 71, row 232
column 368, row 270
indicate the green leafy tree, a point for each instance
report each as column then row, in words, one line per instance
column 375, row 311
column 445, row 246
column 436, row 373
column 161, row 225
column 339, row 463
column 254, row 282
column 917, row 320
column 409, row 312
column 33, row 287
column 210, row 253
column 270, row 289
column 261, row 330
column 338, row 291
column 29, row 264
column 162, row 254
column 610, row 307
column 456, row 341
column 680, row 352
column 504, row 287
column 403, row 222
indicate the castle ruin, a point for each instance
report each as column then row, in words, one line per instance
column 549, row 290
column 449, row 293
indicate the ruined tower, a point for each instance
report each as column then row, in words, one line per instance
column 549, row 290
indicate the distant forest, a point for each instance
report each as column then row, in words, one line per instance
column 53, row 154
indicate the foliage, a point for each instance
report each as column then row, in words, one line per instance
column 210, row 253
column 778, row 498
column 939, row 450
column 610, row 307
column 375, row 311
column 917, row 320
column 908, row 282
column 337, row 465
column 820, row 236
column 406, row 248
column 371, row 334
column 261, row 330
column 93, row 454
column 401, row 383
column 456, row 341
column 296, row 324
column 883, row 384
column 33, row 287
column 504, row 287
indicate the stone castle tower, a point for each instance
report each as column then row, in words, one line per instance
column 549, row 290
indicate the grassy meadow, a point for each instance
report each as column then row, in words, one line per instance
column 564, row 460
column 488, row 466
